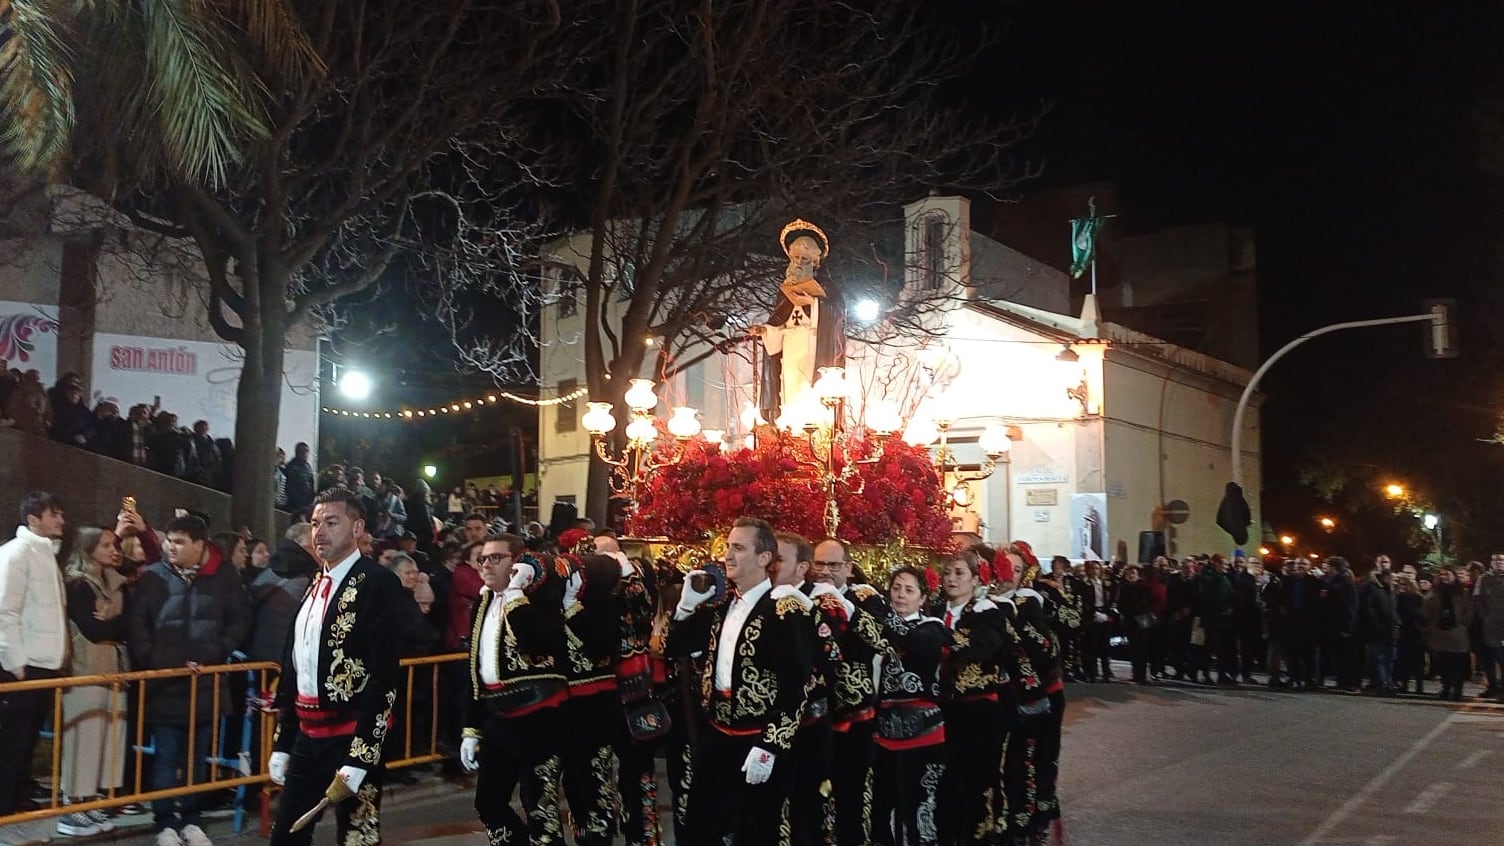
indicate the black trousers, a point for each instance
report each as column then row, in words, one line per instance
column 810, row 802
column 968, row 792
column 722, row 803
column 1021, row 814
column 638, row 781
column 1452, row 667
column 1070, row 650
column 1047, row 759
column 905, row 784
column 1095, row 650
column 1300, row 654
column 1349, row 663
column 1138, row 650
column 309, row 773
column 21, row 717
column 525, row 752
column 851, row 754
column 593, row 723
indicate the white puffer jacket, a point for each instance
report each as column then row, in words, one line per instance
column 33, row 617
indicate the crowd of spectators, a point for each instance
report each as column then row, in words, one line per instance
column 147, row 436
column 1295, row 623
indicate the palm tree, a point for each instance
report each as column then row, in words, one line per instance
column 144, row 88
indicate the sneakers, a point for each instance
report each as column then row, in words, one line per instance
column 77, row 824
column 101, row 819
column 195, row 836
column 168, row 837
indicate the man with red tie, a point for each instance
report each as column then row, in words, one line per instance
column 338, row 683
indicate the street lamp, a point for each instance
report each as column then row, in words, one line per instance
column 355, row 385
column 1327, row 523
column 430, row 471
column 1286, row 540
column 634, row 464
column 1394, row 491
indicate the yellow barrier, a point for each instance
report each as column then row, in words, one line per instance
column 266, row 673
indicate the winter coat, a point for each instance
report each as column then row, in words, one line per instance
column 98, row 645
column 1412, row 618
column 172, row 620
column 274, row 602
column 33, row 624
column 1342, row 604
column 1448, row 612
column 1214, row 598
column 1489, row 604
column 300, row 486
column 1378, row 619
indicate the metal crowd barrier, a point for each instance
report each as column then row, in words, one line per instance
column 258, row 728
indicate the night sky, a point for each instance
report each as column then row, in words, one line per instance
column 1348, row 135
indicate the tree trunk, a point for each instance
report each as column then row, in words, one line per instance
column 597, row 483
column 257, row 414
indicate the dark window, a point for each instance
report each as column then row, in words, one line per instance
column 568, row 418
column 934, row 254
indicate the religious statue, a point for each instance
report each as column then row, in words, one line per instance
column 806, row 328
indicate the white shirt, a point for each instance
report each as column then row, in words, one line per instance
column 488, row 651
column 308, row 629
column 953, row 615
column 1096, row 588
column 731, row 630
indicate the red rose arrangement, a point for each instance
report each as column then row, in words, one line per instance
column 898, row 496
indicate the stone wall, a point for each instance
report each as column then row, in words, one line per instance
column 91, row 485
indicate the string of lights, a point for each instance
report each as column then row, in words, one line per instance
column 457, row 406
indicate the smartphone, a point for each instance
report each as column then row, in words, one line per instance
column 179, row 512
column 715, row 577
column 128, row 504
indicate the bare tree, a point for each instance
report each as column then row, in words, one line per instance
column 706, row 126
column 367, row 160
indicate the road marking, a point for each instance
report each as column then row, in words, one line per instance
column 1427, row 799
column 1472, row 760
column 1357, row 799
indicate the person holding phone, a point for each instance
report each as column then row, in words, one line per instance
column 757, row 660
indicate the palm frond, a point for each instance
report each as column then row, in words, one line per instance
column 277, row 35
column 36, row 84
column 202, row 108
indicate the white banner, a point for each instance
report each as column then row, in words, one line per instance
column 197, row 381
column 28, row 338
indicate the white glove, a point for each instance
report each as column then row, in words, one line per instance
column 276, row 767
column 822, row 589
column 522, row 576
column 759, row 765
column 691, row 599
column 572, row 589
column 354, row 777
column 470, row 754
column 1100, row 617
column 787, row 591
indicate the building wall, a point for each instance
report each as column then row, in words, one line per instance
column 1189, row 461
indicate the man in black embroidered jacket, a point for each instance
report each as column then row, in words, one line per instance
column 338, row 683
column 757, row 661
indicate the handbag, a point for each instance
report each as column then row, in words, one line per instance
column 647, row 719
column 1198, row 632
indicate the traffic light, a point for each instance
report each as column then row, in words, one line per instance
column 1441, row 332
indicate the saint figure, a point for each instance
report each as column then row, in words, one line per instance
column 805, row 330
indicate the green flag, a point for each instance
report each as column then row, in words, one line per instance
column 1083, row 243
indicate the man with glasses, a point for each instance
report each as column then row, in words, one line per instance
column 514, row 726
column 853, row 690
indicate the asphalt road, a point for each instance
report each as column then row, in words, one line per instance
column 1187, row 765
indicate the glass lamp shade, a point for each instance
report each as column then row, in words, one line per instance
column 641, row 430
column 994, row 440
column 831, row 386
column 921, row 432
column 598, row 419
column 640, row 396
column 714, row 437
column 684, row 422
column 882, row 417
